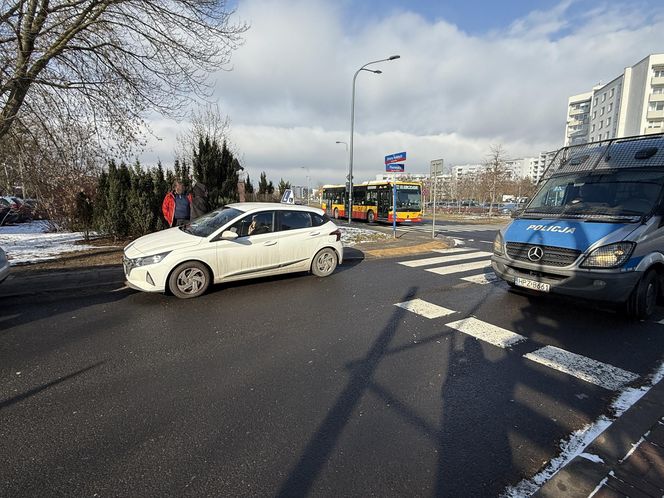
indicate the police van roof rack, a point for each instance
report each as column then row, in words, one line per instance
column 616, row 153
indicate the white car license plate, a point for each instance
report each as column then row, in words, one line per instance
column 532, row 284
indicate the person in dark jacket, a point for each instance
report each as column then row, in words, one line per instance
column 199, row 200
column 176, row 206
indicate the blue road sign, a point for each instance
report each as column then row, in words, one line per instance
column 395, row 158
column 395, row 168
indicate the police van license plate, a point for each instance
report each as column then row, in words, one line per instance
column 532, row 284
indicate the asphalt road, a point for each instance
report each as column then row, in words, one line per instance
column 303, row 386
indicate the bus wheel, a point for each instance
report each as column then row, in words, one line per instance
column 370, row 216
column 641, row 304
column 336, row 214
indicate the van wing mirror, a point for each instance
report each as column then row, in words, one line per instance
column 516, row 213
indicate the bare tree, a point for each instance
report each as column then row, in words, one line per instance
column 207, row 121
column 495, row 173
column 107, row 62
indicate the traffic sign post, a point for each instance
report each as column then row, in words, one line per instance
column 436, row 168
column 394, row 165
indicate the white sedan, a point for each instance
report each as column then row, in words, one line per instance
column 237, row 242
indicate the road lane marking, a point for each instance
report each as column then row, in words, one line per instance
column 444, row 259
column 448, row 270
column 486, row 332
column 425, row 309
column 482, row 278
column 454, row 249
column 581, row 367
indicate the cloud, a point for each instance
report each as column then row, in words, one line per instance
column 450, row 95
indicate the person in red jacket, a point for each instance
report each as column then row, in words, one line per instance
column 176, row 206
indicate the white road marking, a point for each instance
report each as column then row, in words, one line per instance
column 486, row 332
column 453, row 250
column 581, row 367
column 448, row 270
column 425, row 309
column 482, row 278
column 661, row 322
column 444, row 259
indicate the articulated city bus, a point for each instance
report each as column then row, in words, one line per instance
column 372, row 201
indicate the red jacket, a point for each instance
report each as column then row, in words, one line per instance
column 168, row 207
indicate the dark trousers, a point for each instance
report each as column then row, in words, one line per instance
column 180, row 221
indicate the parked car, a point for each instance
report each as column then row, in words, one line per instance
column 22, row 211
column 7, row 214
column 237, row 242
column 4, row 265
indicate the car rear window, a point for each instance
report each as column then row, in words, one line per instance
column 292, row 220
column 318, row 220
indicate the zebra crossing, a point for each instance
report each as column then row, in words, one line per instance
column 581, row 367
column 458, row 260
column 450, row 228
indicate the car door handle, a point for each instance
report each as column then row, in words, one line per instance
column 313, row 234
column 270, row 243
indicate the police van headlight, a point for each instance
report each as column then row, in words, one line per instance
column 611, row 256
column 498, row 244
column 150, row 260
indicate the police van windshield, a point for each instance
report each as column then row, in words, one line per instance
column 625, row 194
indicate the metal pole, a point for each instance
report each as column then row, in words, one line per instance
column 433, row 222
column 350, row 159
column 394, row 205
column 352, row 129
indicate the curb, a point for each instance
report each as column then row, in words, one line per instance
column 581, row 477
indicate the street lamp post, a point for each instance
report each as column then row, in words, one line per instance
column 308, row 177
column 352, row 127
column 348, row 170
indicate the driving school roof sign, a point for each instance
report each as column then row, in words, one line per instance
column 395, row 158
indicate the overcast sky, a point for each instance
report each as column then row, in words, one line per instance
column 471, row 74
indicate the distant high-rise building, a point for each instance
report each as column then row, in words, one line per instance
column 631, row 104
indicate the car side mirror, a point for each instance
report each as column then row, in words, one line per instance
column 228, row 235
column 516, row 213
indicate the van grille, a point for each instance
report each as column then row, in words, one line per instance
column 553, row 256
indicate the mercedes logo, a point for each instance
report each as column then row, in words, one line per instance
column 535, row 253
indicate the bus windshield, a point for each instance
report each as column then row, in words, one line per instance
column 616, row 194
column 408, row 198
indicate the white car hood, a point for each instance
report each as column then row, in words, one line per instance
column 158, row 242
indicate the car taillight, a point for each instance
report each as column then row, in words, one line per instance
column 337, row 232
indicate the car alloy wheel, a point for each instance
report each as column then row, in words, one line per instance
column 189, row 280
column 324, row 262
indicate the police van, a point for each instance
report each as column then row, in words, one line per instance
column 595, row 228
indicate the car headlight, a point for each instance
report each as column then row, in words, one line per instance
column 498, row 244
column 150, row 260
column 611, row 256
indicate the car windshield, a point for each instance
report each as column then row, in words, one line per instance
column 211, row 222
column 617, row 194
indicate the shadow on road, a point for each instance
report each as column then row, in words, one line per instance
column 32, row 392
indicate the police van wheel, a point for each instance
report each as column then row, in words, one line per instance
column 641, row 304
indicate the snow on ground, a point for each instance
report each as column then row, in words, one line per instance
column 580, row 439
column 351, row 236
column 31, row 242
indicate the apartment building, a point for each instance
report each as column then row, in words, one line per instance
column 630, row 104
